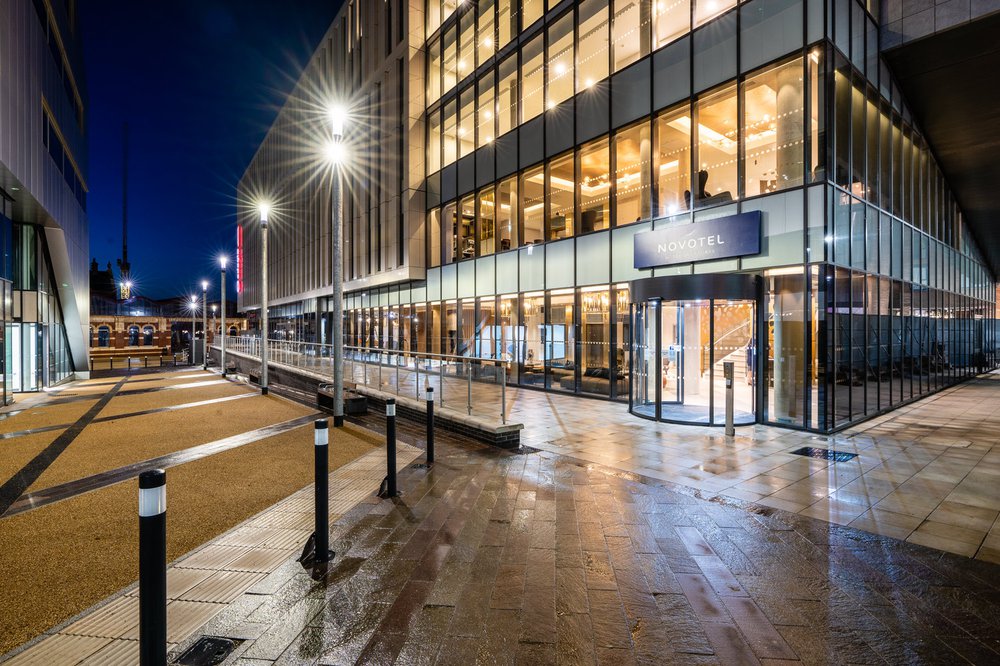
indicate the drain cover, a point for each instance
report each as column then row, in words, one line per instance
column 208, row 651
column 825, row 454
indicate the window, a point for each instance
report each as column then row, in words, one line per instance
column 595, row 186
column 486, row 222
column 103, row 336
column 630, row 38
column 560, row 188
column 772, row 129
column 507, row 213
column 506, row 22
column 507, row 95
column 715, row 145
column 450, row 65
column 671, row 19
column 560, row 61
column 531, row 11
column 450, row 133
column 147, row 335
column 706, row 10
column 817, row 130
column 842, row 125
column 486, row 32
column 467, row 44
column 486, row 116
column 533, row 210
column 632, row 174
column 673, row 161
column 466, row 122
column 133, row 336
column 433, row 16
column 434, row 71
column 434, row 238
column 532, row 79
column 449, row 220
column 592, row 58
column 434, row 142
column 560, row 345
column 466, row 231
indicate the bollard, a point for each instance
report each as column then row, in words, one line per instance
column 390, row 447
column 727, row 370
column 430, row 426
column 112, row 361
column 153, row 567
column 320, row 540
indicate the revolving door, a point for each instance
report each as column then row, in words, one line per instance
column 680, row 344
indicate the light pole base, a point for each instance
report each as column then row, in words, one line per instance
column 263, row 390
column 338, row 421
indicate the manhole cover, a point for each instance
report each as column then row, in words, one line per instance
column 208, row 651
column 824, row 454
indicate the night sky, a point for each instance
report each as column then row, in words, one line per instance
column 199, row 83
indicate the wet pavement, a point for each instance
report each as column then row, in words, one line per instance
column 536, row 558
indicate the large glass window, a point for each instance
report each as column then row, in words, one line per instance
column 773, row 136
column 673, row 161
column 842, row 126
column 450, row 133
column 560, row 342
column 560, row 188
column 595, row 342
column 787, row 356
column 450, row 63
column 595, row 186
column 632, row 174
column 630, row 34
column 467, row 41
column 531, row 11
column 486, row 31
column 529, row 340
column 560, row 60
column 817, row 130
column 433, row 70
column 671, row 19
column 506, row 201
column 716, row 147
column 485, row 111
column 533, row 210
column 506, row 22
column 466, row 231
column 532, row 79
column 467, row 122
column 706, row 10
column 487, row 222
column 434, row 142
column 507, row 95
column 434, row 238
column 592, row 57
column 451, row 232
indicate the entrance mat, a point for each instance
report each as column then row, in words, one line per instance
column 825, row 454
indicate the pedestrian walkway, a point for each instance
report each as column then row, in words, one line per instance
column 536, row 558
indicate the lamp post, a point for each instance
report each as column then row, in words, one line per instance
column 194, row 311
column 204, row 324
column 264, row 209
column 222, row 261
column 336, row 116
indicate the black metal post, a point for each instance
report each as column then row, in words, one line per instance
column 390, row 446
column 322, row 494
column 430, row 426
column 153, row 568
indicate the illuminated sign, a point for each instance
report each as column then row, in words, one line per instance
column 239, row 259
column 730, row 236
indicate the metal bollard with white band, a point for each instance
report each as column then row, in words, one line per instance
column 153, row 567
column 390, row 447
column 322, row 494
column 430, row 426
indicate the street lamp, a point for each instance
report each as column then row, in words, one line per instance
column 194, row 311
column 222, row 261
column 335, row 154
column 204, row 324
column 263, row 209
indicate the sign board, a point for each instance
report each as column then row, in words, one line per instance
column 723, row 237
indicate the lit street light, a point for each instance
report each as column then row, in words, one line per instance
column 222, row 261
column 335, row 154
column 194, row 311
column 263, row 209
column 204, row 324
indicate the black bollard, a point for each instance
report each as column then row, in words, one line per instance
column 430, row 426
column 322, row 490
column 153, row 568
column 390, row 446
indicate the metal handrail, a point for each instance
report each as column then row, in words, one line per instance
column 292, row 352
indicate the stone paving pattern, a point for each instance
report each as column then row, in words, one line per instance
column 534, row 558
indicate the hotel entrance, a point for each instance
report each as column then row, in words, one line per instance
column 680, row 344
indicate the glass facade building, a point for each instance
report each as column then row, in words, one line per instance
column 44, row 240
column 558, row 139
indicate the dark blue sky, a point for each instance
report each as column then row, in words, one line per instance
column 199, row 83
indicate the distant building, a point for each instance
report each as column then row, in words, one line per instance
column 43, row 195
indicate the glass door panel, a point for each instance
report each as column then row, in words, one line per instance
column 671, row 353
column 734, row 342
